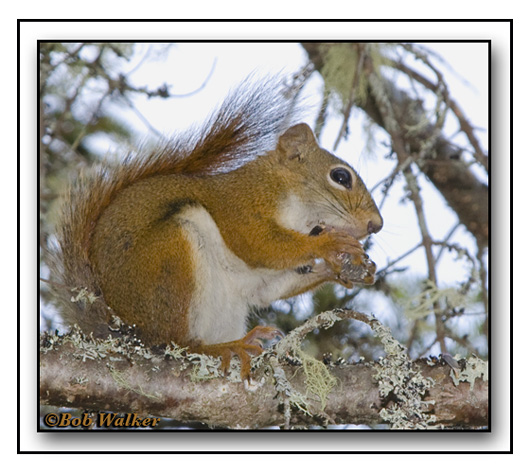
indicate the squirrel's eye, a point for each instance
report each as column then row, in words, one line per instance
column 341, row 176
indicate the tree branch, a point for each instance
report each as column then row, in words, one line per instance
column 81, row 372
column 464, row 123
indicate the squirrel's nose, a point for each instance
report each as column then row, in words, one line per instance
column 374, row 228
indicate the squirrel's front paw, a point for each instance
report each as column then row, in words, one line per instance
column 345, row 257
column 353, row 273
column 335, row 243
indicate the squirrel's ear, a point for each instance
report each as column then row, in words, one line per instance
column 296, row 140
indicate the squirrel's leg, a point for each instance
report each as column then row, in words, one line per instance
column 294, row 281
column 276, row 247
column 243, row 348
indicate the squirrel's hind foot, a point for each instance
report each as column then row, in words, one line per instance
column 244, row 348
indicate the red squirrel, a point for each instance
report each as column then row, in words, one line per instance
column 181, row 241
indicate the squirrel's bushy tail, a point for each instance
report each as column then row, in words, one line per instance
column 246, row 125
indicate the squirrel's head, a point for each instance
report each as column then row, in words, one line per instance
column 322, row 190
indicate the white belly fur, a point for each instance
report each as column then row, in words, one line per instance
column 227, row 286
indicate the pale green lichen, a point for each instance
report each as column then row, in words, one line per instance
column 316, row 382
column 344, row 70
column 475, row 368
column 291, row 397
column 204, row 368
column 81, row 380
column 422, row 304
column 49, row 341
column 176, row 352
column 88, row 347
column 318, row 379
column 397, row 374
column 121, row 380
column 83, row 295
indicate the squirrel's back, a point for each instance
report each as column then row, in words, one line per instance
column 246, row 125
